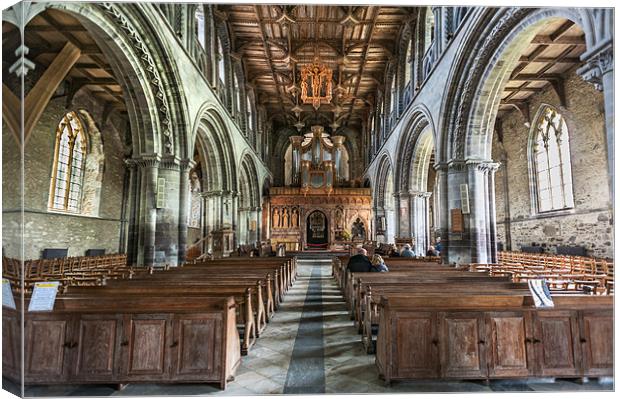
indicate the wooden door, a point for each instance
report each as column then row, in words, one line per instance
column 597, row 342
column 556, row 343
column 10, row 344
column 47, row 343
column 462, row 345
column 415, row 345
column 508, row 353
column 145, row 347
column 197, row 347
column 98, row 339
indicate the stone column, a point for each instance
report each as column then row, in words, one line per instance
column 185, row 166
column 337, row 151
column 419, row 220
column 437, row 40
column 458, row 243
column 133, row 211
column 442, row 209
column 478, row 222
column 599, row 70
column 404, row 215
column 147, row 224
column 296, row 159
column 168, row 215
column 492, row 168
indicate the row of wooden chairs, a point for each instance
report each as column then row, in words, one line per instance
column 71, row 271
column 563, row 273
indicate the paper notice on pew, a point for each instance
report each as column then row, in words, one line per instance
column 540, row 293
column 43, row 296
column 7, row 294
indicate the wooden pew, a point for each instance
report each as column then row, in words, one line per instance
column 457, row 336
column 122, row 340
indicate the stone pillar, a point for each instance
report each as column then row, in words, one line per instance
column 458, row 243
column 296, row 159
column 185, row 167
column 147, row 223
column 167, row 237
column 337, row 152
column 599, row 70
column 442, row 209
column 478, row 222
column 133, row 211
column 403, row 208
column 419, row 220
column 492, row 168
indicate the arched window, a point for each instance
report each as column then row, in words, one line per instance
column 200, row 26
column 393, row 98
column 408, row 61
column 429, row 28
column 250, row 114
column 220, row 61
column 66, row 185
column 237, row 95
column 551, row 162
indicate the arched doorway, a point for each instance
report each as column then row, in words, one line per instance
column 317, row 231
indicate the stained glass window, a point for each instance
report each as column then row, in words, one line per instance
column 66, row 189
column 551, row 157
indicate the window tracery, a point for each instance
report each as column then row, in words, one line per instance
column 551, row 162
column 69, row 154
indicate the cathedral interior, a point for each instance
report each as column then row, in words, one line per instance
column 193, row 180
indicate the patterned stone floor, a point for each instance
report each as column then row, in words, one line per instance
column 311, row 346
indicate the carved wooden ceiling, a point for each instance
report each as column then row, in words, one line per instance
column 355, row 42
column 554, row 51
column 46, row 35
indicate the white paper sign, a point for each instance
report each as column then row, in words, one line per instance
column 540, row 293
column 7, row 294
column 43, row 296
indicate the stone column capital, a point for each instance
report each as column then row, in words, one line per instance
column 598, row 62
column 170, row 162
column 187, row 164
column 144, row 161
column 482, row 165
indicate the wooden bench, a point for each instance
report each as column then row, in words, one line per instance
column 457, row 336
column 120, row 340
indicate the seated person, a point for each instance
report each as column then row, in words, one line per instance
column 359, row 262
column 407, row 252
column 438, row 245
column 432, row 251
column 378, row 265
column 394, row 252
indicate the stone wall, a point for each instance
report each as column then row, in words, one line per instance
column 45, row 229
column 589, row 224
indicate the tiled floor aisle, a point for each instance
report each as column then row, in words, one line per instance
column 311, row 346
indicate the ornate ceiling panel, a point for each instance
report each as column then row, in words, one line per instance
column 355, row 42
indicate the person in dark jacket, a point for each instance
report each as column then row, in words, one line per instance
column 360, row 262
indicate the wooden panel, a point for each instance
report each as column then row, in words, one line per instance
column 10, row 344
column 197, row 342
column 556, row 343
column 462, row 345
column 508, row 355
column 97, row 347
column 416, row 355
column 597, row 343
column 147, row 347
column 44, row 345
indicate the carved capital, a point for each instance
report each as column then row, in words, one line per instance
column 456, row 165
column 482, row 165
column 170, row 162
column 597, row 64
column 144, row 161
column 187, row 164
